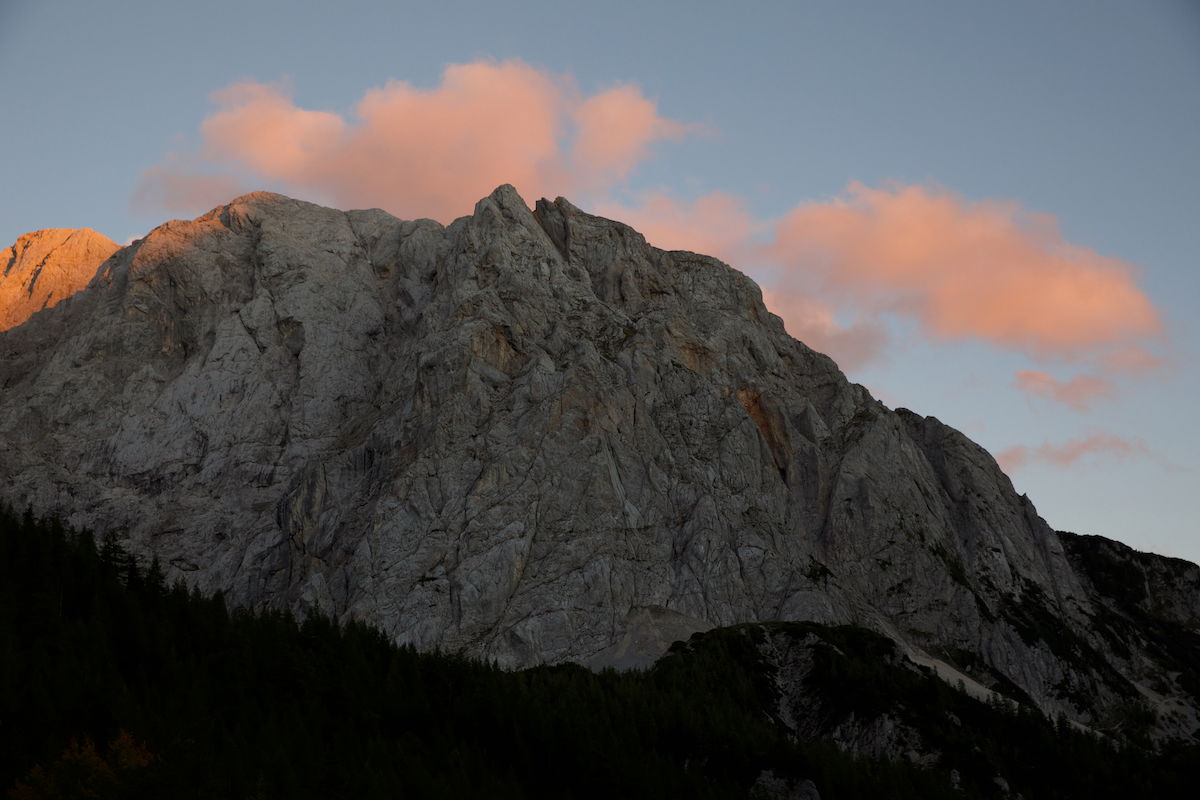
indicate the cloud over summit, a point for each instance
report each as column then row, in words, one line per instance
column 420, row 152
column 835, row 270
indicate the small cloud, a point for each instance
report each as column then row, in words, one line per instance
column 1068, row 453
column 175, row 189
column 1078, row 393
column 814, row 323
column 1131, row 358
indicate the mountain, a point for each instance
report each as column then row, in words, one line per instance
column 532, row 437
column 43, row 267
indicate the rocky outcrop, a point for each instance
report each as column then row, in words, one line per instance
column 1146, row 609
column 809, row 713
column 44, row 267
column 528, row 436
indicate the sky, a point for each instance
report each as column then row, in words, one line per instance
column 986, row 212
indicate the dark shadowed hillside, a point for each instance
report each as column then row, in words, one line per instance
column 121, row 686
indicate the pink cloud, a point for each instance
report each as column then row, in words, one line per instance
column 1078, row 393
column 967, row 270
column 715, row 224
column 259, row 128
column 174, row 187
column 1067, row 454
column 424, row 152
column 814, row 323
column 615, row 129
column 1131, row 358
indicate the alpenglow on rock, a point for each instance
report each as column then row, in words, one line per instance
column 529, row 436
column 43, row 267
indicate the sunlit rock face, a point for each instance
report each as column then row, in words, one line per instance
column 44, row 267
column 528, row 436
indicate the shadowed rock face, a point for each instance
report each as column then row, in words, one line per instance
column 44, row 267
column 528, row 436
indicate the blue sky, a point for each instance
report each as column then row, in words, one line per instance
column 1086, row 111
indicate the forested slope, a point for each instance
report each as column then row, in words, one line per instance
column 116, row 685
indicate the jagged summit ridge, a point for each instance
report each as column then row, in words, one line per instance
column 527, row 435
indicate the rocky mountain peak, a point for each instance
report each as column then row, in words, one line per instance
column 533, row 437
column 43, row 267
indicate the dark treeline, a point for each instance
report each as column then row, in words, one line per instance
column 117, row 685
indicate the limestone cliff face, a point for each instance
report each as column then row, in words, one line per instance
column 44, row 267
column 529, row 436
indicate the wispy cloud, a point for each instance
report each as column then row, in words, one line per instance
column 1078, row 393
column 1068, row 453
column 176, row 188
